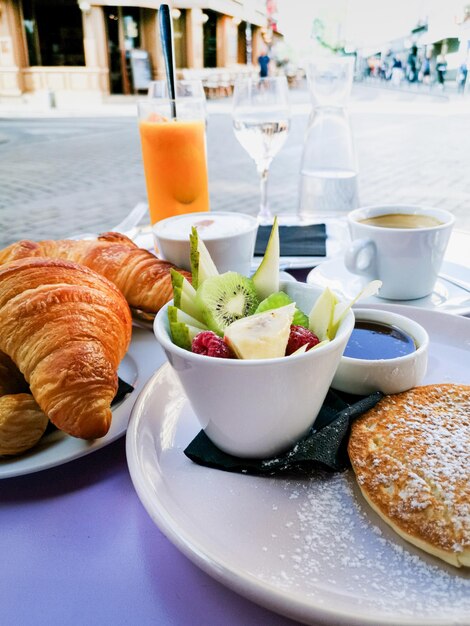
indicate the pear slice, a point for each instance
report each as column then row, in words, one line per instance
column 300, row 350
column 266, row 277
column 202, row 265
column 305, row 347
column 184, row 295
column 320, row 320
column 177, row 315
column 318, row 345
column 183, row 334
column 263, row 335
column 343, row 307
column 328, row 313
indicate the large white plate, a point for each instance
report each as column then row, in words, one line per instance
column 143, row 358
column 445, row 297
column 308, row 548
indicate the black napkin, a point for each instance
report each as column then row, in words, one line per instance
column 295, row 240
column 324, row 448
column 122, row 391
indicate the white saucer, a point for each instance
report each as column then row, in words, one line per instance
column 445, row 297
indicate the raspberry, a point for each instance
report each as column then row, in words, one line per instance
column 300, row 336
column 210, row 344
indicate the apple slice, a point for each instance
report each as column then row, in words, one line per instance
column 266, row 277
column 202, row 265
column 261, row 336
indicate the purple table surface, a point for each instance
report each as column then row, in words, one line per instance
column 78, row 547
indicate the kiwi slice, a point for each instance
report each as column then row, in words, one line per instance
column 225, row 298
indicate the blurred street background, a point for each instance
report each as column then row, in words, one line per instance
column 63, row 175
column 71, row 72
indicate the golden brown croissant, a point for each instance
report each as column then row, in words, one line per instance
column 11, row 379
column 67, row 329
column 22, row 423
column 144, row 280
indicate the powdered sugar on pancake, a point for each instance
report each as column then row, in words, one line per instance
column 337, row 545
column 412, row 461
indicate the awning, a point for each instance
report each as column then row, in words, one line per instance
column 439, row 33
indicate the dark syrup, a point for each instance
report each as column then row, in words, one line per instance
column 374, row 340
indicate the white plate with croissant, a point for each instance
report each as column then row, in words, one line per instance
column 143, row 358
column 66, row 333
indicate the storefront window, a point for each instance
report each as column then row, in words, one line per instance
column 130, row 22
column 54, row 32
column 123, row 26
column 244, row 43
column 210, row 39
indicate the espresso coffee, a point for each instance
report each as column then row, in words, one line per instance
column 401, row 220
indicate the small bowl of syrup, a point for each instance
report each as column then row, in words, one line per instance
column 386, row 352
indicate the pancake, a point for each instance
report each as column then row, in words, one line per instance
column 411, row 457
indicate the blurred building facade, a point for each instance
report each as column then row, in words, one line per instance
column 441, row 33
column 112, row 46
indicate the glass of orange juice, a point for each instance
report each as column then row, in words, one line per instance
column 173, row 139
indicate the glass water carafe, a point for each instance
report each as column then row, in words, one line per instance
column 328, row 175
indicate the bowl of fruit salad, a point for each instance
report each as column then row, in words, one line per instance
column 255, row 355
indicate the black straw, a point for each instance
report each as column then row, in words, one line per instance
column 166, row 36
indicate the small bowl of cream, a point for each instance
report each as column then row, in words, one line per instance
column 230, row 238
column 386, row 352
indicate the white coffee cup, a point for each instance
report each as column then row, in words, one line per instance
column 406, row 258
column 230, row 238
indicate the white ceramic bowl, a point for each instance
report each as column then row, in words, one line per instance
column 364, row 376
column 258, row 408
column 230, row 238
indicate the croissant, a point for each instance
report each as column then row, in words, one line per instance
column 144, row 279
column 22, row 423
column 67, row 329
column 11, row 379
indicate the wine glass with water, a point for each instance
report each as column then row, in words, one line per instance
column 261, row 122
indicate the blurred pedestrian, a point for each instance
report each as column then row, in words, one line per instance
column 441, row 69
column 412, row 65
column 462, row 77
column 425, row 72
column 264, row 61
column 397, row 71
column 386, row 66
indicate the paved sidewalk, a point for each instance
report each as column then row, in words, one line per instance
column 62, row 174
